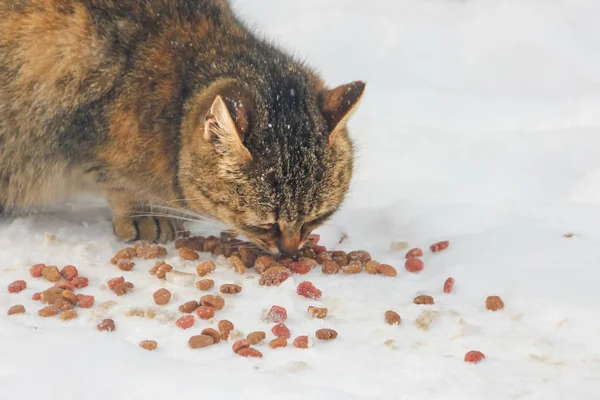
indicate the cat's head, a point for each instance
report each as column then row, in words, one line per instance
column 273, row 161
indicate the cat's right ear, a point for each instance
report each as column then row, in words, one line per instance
column 226, row 125
column 338, row 104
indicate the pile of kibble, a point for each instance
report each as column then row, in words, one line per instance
column 61, row 299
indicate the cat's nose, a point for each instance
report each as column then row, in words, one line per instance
column 288, row 244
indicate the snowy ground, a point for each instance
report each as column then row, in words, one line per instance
column 480, row 126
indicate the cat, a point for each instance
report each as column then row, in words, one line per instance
column 168, row 105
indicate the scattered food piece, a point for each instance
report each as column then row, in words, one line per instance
column 392, row 318
column 80, row 282
column 300, row 268
column 263, row 263
column 160, row 269
column 230, row 289
column 128, row 253
column 494, row 303
column 437, row 247
column 449, row 285
column 200, row 341
column 474, row 356
column 308, row 290
column 225, row 328
column 125, row 265
column 387, row 270
column 280, row 330
column 36, row 270
column 249, row 352
column 162, row 297
column 326, row 334
column 205, row 284
column 68, row 315
column 274, row 276
column 353, row 267
column 205, row 312
column 205, row 268
column 149, row 345
column 51, row 273
column 149, row 250
column 278, row 342
column 277, row 314
column 256, row 337
column 317, row 312
column 18, row 309
column 423, row 299
column 237, row 264
column 416, row 252
column 414, row 265
column 213, row 334
column 107, row 325
column 216, row 302
column 398, row 246
column 189, row 307
column 48, row 311
column 85, row 301
column 330, row 267
column 301, row 342
column 123, row 288
column 188, row 254
column 17, row 286
column 114, row 282
column 372, row 267
column 185, row 322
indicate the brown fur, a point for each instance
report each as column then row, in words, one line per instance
column 168, row 103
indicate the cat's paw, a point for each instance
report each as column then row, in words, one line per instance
column 154, row 229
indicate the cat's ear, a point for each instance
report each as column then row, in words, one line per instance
column 337, row 105
column 226, row 125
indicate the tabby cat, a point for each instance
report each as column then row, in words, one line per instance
column 168, row 105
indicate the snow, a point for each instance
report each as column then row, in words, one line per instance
column 480, row 125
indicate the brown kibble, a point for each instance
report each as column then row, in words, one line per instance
column 51, row 295
column 205, row 268
column 210, row 300
column 112, row 283
column 51, row 274
column 274, row 276
column 36, row 270
column 236, row 263
column 437, row 247
column 189, row 307
column 423, row 299
column 128, row 253
column 80, row 282
column 262, row 264
column 69, row 296
column 188, row 254
column 125, row 265
column 330, row 267
column 249, row 352
column 65, row 285
column 312, row 263
column 372, row 267
column 278, row 342
column 449, row 285
column 18, row 309
column 225, row 328
column 69, row 272
column 162, row 297
column 149, row 250
column 149, row 345
column 68, row 315
column 17, row 286
column 494, row 303
column 123, row 288
column 248, row 256
column 230, row 289
column 210, row 244
column 326, row 334
column 205, row 312
column 240, row 344
column 85, row 301
column 205, row 284
column 359, row 255
column 387, row 270
column 200, row 341
column 301, row 342
column 160, row 269
column 107, row 325
column 323, row 256
column 474, row 356
column 353, row 267
column 213, row 334
column 317, row 312
column 414, row 265
column 392, row 318
column 48, row 311
column 256, row 337
column 416, row 252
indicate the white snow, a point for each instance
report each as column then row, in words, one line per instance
column 480, row 125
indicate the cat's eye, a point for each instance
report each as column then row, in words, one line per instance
column 263, row 229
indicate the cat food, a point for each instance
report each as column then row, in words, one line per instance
column 149, row 250
column 36, row 270
column 359, row 255
column 18, row 309
column 68, row 315
column 387, row 270
column 65, row 285
column 449, row 285
column 188, row 254
column 300, row 268
column 125, row 265
column 286, row 262
column 494, row 303
column 256, row 337
column 213, row 334
column 392, row 318
column 317, row 312
column 69, row 272
column 200, row 341
column 180, row 278
column 185, row 322
column 69, row 296
column 112, row 283
column 230, row 289
column 416, row 252
column 196, row 244
column 80, row 282
column 160, row 269
column 372, row 267
column 189, row 307
column 225, row 328
column 340, row 257
column 17, row 286
column 205, row 312
column 326, row 334
column 216, row 302
column 50, row 296
column 414, row 265
column 249, row 352
column 240, row 344
column 48, row 311
column 205, row 268
column 312, row 263
column 248, row 256
column 439, row 246
column 301, row 342
column 237, row 264
column 123, row 288
column 324, row 256
column 128, row 253
column 263, row 263
column 330, row 267
column 277, row 314
column 274, row 276
column 205, row 284
column 280, row 330
column 85, row 301
column 278, row 342
column 308, row 290
column 51, row 273
column 36, row 297
column 423, row 299
column 474, row 356
column 353, row 267
column 162, row 297
column 107, row 325
column 149, row 345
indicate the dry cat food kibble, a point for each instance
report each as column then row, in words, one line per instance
column 249, row 352
column 107, row 325
column 200, row 341
column 80, row 282
column 240, row 344
column 185, row 322
column 326, row 334
column 188, row 254
column 125, row 265
column 128, row 253
column 123, row 288
column 300, row 268
column 213, row 334
column 308, row 290
column 69, row 272
column 213, row 301
column 301, row 342
column 149, row 345
column 69, row 296
column 48, row 311
column 474, row 356
column 114, row 282
column 277, row 314
column 205, row 268
column 274, row 276
column 17, row 286
column 205, row 312
column 68, row 315
column 256, row 337
column 353, row 267
column 263, row 263
column 160, row 269
column 278, row 342
column 162, row 297
column 18, row 309
column 189, row 307
column 372, row 267
column 494, row 303
column 65, row 285
column 225, row 328
column 36, row 297
column 414, row 265
column 416, row 252
column 392, row 318
column 85, row 301
column 36, row 270
column 280, row 330
column 317, row 312
column 237, row 264
column 423, row 299
column 51, row 273
column 330, row 267
column 359, row 255
column 437, row 247
column 149, row 250
column 449, row 285
column 308, row 261
column 205, row 284
column 387, row 270
column 230, row 289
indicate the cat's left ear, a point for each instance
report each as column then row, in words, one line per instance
column 226, row 125
column 338, row 104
